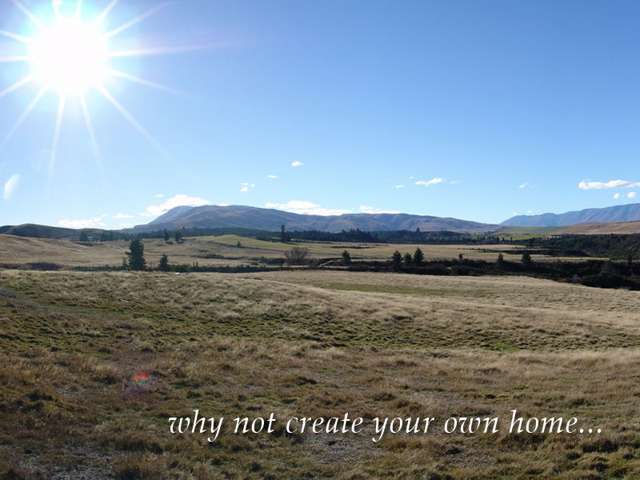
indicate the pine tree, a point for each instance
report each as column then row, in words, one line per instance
column 166, row 236
column 178, row 236
column 346, row 258
column 418, row 257
column 500, row 260
column 136, row 255
column 396, row 260
column 526, row 258
column 164, row 263
column 407, row 259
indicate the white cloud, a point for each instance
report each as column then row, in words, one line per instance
column 398, row 187
column 524, row 185
column 245, row 187
column 123, row 216
column 159, row 195
column 96, row 222
column 368, row 209
column 296, row 164
column 631, row 195
column 587, row 185
column 175, row 201
column 272, row 177
column 305, row 207
column 429, row 183
column 10, row 186
column 616, row 196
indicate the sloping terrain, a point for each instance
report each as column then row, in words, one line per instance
column 236, row 216
column 312, row 344
column 621, row 228
column 620, row 213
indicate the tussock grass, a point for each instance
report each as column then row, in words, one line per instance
column 313, row 344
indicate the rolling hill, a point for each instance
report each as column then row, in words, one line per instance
column 616, row 214
column 237, row 216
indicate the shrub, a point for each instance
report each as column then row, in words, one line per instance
column 297, row 256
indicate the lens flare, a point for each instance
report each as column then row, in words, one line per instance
column 70, row 57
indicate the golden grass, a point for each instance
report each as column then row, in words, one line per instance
column 224, row 250
column 316, row 344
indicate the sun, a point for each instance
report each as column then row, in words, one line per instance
column 68, row 54
column 70, row 57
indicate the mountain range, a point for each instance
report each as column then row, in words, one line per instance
column 620, row 213
column 237, row 216
column 617, row 219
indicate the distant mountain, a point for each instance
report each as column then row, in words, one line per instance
column 40, row 231
column 621, row 213
column 237, row 216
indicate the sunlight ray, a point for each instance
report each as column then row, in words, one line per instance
column 78, row 12
column 92, row 134
column 56, row 134
column 136, row 20
column 19, row 5
column 142, row 81
column 14, row 59
column 15, row 36
column 132, row 121
column 24, row 115
column 152, row 51
column 102, row 15
column 17, row 85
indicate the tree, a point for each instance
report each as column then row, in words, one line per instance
column 83, row 236
column 166, row 236
column 136, row 255
column 460, row 257
column 407, row 259
column 396, row 260
column 284, row 236
column 346, row 258
column 178, row 236
column 500, row 260
column 296, row 256
column 526, row 258
column 418, row 257
column 163, row 266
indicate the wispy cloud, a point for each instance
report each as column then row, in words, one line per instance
column 305, row 207
column 368, row 209
column 95, row 222
column 616, row 196
column 631, row 195
column 588, row 185
column 296, row 164
column 159, row 195
column 123, row 216
column 175, row 201
column 398, row 187
column 245, row 187
column 430, row 182
column 272, row 177
column 524, row 185
column 10, row 186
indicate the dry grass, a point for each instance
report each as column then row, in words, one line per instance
column 318, row 344
column 224, row 250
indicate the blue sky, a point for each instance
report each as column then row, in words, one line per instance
column 475, row 109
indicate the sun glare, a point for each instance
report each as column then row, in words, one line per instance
column 68, row 54
column 70, row 57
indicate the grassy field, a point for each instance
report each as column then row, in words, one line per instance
column 222, row 250
column 315, row 344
